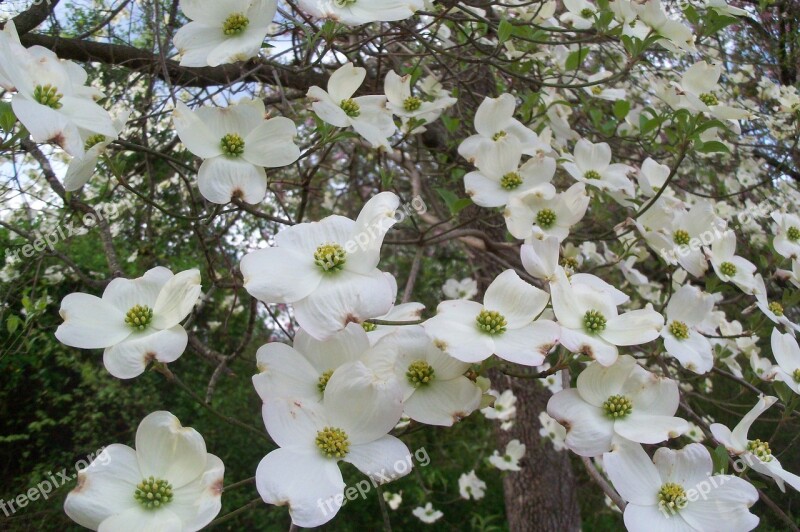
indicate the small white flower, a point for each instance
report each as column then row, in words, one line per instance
column 622, row 401
column 687, row 308
column 509, row 461
column 136, row 321
column 470, row 486
column 730, row 267
column 427, row 514
column 787, row 355
column 367, row 115
column 553, row 431
column 504, row 408
column 755, row 453
column 532, row 215
column 235, row 143
column 223, row 31
column 81, row 167
column 592, row 166
column 787, row 235
column 700, row 92
column 652, row 176
column 494, row 183
column 466, row 288
column 394, row 500
column 355, row 12
column 402, row 103
column 169, row 482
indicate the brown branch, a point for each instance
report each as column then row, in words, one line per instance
column 34, row 15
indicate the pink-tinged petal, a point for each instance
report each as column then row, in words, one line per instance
column 48, row 125
column 591, row 346
column 383, row 460
column 589, row 432
column 310, row 484
column 129, row 358
column 460, row 338
column 90, row 322
column 444, row 402
column 166, row 449
column 199, row 502
column 294, row 423
column 279, row 275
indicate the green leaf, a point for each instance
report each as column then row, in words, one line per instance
column 784, row 392
column 712, row 146
column 7, row 117
column 453, row 202
column 504, row 30
column 12, row 323
column 450, row 123
column 575, row 59
column 621, row 109
column 719, row 459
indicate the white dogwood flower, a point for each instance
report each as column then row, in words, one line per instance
column 624, row 401
column 652, row 176
column 466, row 288
column 787, row 235
column 356, row 12
column 136, row 321
column 499, row 134
column 235, row 143
column 351, row 423
column 328, row 269
column 553, row 431
column 755, row 453
column 223, row 31
column 590, row 323
column 540, row 257
column 82, row 167
column 591, row 165
column 532, row 215
column 471, row 487
column 771, row 309
column 367, row 115
column 504, row 324
column 699, row 90
column 504, row 407
column 686, row 310
column 169, row 482
column 678, row 491
column 428, row 514
column 731, row 268
column 509, row 461
column 410, row 108
column 493, row 184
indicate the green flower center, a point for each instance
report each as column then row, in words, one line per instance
column 344, row 3
column 369, row 327
column 333, row 442
column 760, row 449
column 592, row 174
column 586, row 12
column 681, row 237
column 420, row 373
column 796, row 375
column 728, row 268
column 597, row 90
column 48, row 95
column 510, row 181
column 570, row 263
column 139, row 317
column 594, row 321
column 679, row 330
column 412, row 104
column 350, row 108
column 499, row 135
column 545, row 218
column 491, row 322
column 793, row 234
column 776, row 308
column 671, row 498
column 330, row 257
column 617, row 406
column 93, row 141
column 235, row 24
column 323, row 380
column 153, row 493
column 232, row 145
column 709, row 99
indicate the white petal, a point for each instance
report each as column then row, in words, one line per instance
column 633, row 474
column 362, row 403
column 645, row 428
column 270, row 144
column 518, row 301
column 90, row 322
column 382, row 459
column 238, row 48
column 540, row 257
column 283, row 372
column 176, row 299
column 363, row 247
column 310, row 484
column 688, row 467
column 326, row 109
column 597, row 383
column 565, row 302
column 306, row 237
column 221, row 178
column 165, row 449
column 591, row 346
column 138, row 519
column 348, row 345
column 589, row 432
column 294, row 423
column 694, row 353
column 104, row 488
column 343, row 298
column 129, row 358
column 195, row 133
column 443, row 402
column 80, row 170
column 739, row 434
column 278, row 275
column 633, row 328
column 725, row 507
column 640, row 518
column 345, row 81
column 48, row 125
column 124, row 294
column 199, row 502
column 494, row 114
column 528, row 345
column 786, row 351
column 455, row 331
